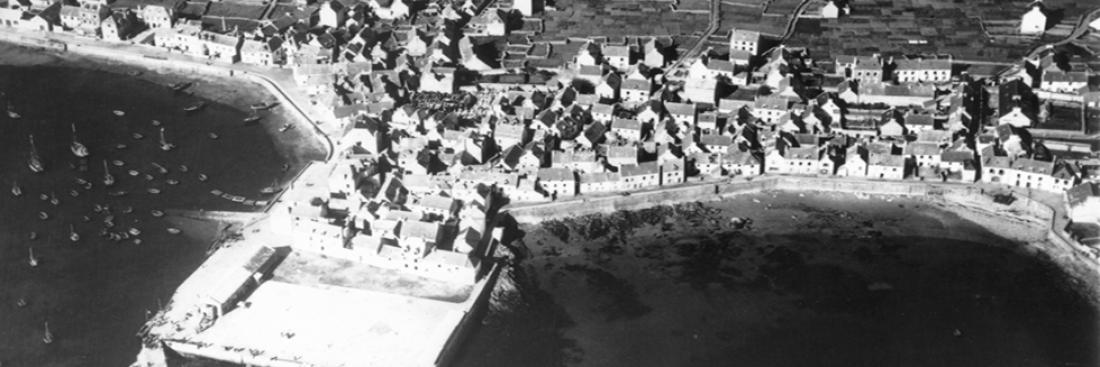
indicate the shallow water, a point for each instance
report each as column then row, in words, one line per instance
column 716, row 297
column 94, row 293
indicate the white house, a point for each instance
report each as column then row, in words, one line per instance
column 1034, row 22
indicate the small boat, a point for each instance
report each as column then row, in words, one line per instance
column 148, row 177
column 213, row 136
column 43, row 197
column 285, row 128
column 178, row 87
column 251, row 118
column 43, row 216
column 157, row 213
column 138, row 136
column 163, row 170
column 127, row 210
column 184, row 168
column 47, row 336
column 286, row 167
column 34, row 163
column 54, row 200
column 133, row 173
column 117, row 193
column 31, row 259
column 173, row 230
column 134, row 231
column 271, row 189
column 118, row 163
column 11, row 112
column 172, row 182
column 21, row 302
column 153, row 190
column 137, row 241
column 33, row 236
column 86, row 219
column 78, row 148
column 74, row 193
column 156, row 123
column 73, row 236
column 80, row 181
column 108, row 179
column 264, row 105
column 119, row 113
column 164, row 144
column 121, row 146
column 16, row 191
column 202, row 177
column 195, row 107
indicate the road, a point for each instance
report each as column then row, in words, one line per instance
column 715, row 20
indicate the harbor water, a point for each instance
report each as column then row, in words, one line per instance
column 96, row 287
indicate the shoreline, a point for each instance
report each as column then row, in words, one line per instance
column 1005, row 223
column 222, row 87
column 613, row 260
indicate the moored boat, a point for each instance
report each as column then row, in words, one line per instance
column 119, row 113
column 164, row 144
column 78, row 148
column 271, row 189
column 157, row 213
column 172, row 230
column 47, row 336
column 285, row 128
column 108, row 179
column 73, row 236
column 202, row 177
column 34, row 163
column 11, row 112
column 181, row 86
column 172, row 182
column 213, row 136
column 264, row 105
column 118, row 163
column 43, row 216
column 195, row 107
column 153, row 190
column 156, row 123
column 31, row 259
column 117, row 193
column 253, row 118
column 184, row 168
column 16, row 191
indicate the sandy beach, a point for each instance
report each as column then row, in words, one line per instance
column 95, row 292
column 813, row 279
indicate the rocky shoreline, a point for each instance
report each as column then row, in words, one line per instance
column 620, row 253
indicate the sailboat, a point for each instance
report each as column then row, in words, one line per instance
column 254, row 117
column 73, row 236
column 195, row 107
column 164, row 144
column 108, row 179
column 47, row 337
column 35, row 162
column 31, row 259
column 78, row 148
column 16, row 191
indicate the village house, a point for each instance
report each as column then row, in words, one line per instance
column 597, row 182
column 707, row 165
column 81, row 20
column 715, row 143
column 620, row 155
column 118, row 26
column 331, row 14
column 959, row 162
column 528, row 7
column 557, row 182
column 921, row 70
column 1083, row 203
column 1064, row 82
column 672, row 173
column 886, row 166
column 652, row 54
column 682, row 113
column 640, row 176
column 437, row 79
column 628, row 130
column 636, row 91
column 220, row 47
column 261, row 52
column 435, row 206
column 867, row 70
column 748, row 42
column 1017, row 105
column 159, row 13
column 740, row 163
column 923, row 154
column 618, row 56
column 608, row 88
column 488, row 23
column 854, row 164
column 1034, row 22
column 770, row 109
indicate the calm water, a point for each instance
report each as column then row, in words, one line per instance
column 791, row 300
column 94, row 292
